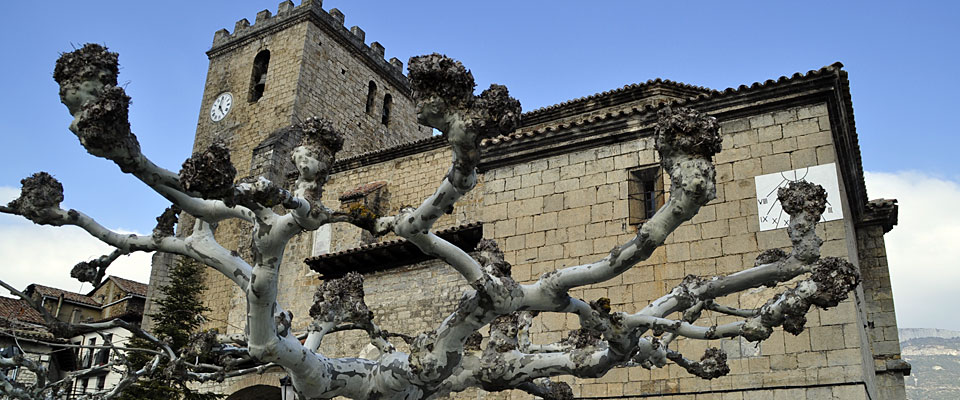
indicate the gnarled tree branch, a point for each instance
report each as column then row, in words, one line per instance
column 449, row 358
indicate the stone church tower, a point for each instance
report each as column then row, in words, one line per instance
column 299, row 63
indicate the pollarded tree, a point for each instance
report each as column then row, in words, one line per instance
column 449, row 358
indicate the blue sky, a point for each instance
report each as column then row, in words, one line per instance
column 902, row 61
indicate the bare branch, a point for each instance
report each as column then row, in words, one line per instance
column 95, row 270
column 738, row 312
column 713, row 364
column 448, row 358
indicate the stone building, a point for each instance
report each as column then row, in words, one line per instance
column 22, row 329
column 574, row 180
column 22, row 332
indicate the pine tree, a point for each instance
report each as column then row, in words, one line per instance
column 180, row 310
column 180, row 313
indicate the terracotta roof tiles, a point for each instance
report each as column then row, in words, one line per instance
column 18, row 319
column 37, row 333
column 129, row 286
column 48, row 291
column 707, row 94
column 624, row 89
column 18, row 310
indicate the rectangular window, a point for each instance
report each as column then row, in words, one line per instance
column 101, row 381
column 77, row 352
column 103, row 355
column 645, row 187
column 88, row 354
column 12, row 373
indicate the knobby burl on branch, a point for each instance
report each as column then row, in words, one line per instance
column 454, row 356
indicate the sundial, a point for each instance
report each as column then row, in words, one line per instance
column 770, row 213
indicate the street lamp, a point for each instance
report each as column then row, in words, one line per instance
column 286, row 389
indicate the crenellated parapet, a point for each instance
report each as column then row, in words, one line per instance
column 332, row 22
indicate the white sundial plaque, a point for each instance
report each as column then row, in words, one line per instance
column 770, row 213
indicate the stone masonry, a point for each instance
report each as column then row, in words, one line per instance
column 555, row 193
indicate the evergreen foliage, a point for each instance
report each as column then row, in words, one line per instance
column 180, row 314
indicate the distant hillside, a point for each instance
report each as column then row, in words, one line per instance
column 913, row 333
column 935, row 357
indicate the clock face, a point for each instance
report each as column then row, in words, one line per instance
column 221, row 106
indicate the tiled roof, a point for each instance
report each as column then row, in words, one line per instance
column 400, row 150
column 630, row 92
column 18, row 310
column 389, row 254
column 362, row 190
column 132, row 287
column 707, row 94
column 19, row 320
column 48, row 291
column 20, row 331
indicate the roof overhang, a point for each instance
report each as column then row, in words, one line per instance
column 390, row 254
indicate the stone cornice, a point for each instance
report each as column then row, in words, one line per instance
column 882, row 212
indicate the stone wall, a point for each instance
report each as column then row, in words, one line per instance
column 110, row 295
column 884, row 338
column 572, row 208
column 409, row 181
column 233, row 385
column 160, row 264
column 334, row 84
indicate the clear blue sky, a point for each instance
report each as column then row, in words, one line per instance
column 902, row 59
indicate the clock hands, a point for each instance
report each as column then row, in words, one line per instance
column 221, row 106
